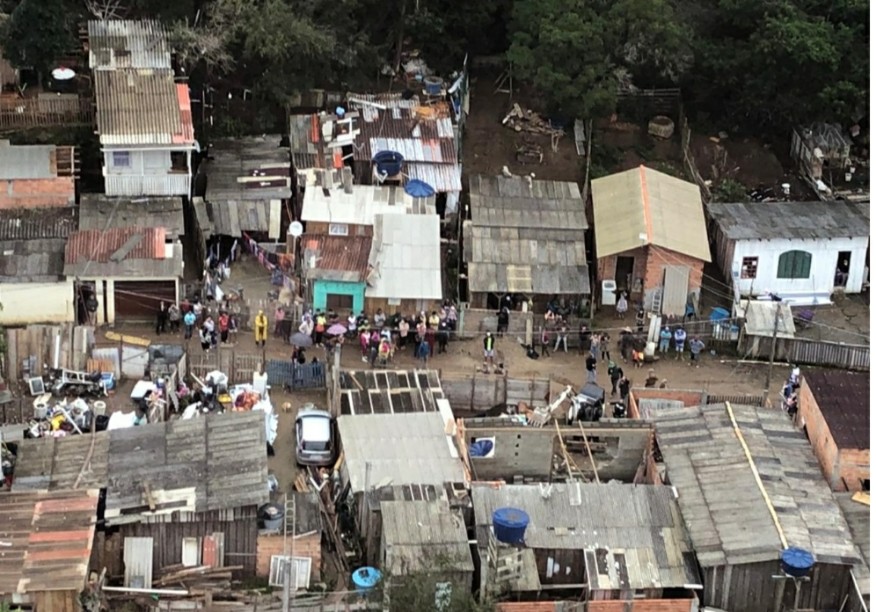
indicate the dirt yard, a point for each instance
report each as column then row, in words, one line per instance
column 488, row 146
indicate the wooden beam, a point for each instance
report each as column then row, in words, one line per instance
column 147, row 493
column 589, row 453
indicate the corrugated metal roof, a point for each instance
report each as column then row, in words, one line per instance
column 27, row 162
column 405, row 258
column 247, row 169
column 231, row 217
column 443, row 178
column 32, row 261
column 417, row 533
column 142, row 107
column 337, row 257
column 399, row 448
column 857, row 515
column 790, row 220
column 498, row 201
column 641, row 524
column 120, row 43
column 760, row 318
column 47, row 541
column 843, row 399
column 716, row 499
column 528, row 261
column 362, row 206
column 99, row 246
column 305, row 151
column 98, row 212
column 642, row 206
column 29, row 224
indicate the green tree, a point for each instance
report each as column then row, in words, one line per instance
column 771, row 65
column 37, row 34
column 576, row 51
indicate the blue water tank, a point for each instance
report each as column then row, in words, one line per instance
column 365, row 578
column 797, row 562
column 389, row 163
column 509, row 525
column 419, row 189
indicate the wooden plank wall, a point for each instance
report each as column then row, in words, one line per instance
column 808, row 352
column 37, row 343
column 479, row 392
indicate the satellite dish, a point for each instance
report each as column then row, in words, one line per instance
column 63, row 74
column 296, row 229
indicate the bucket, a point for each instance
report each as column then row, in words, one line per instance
column 433, row 85
column 272, row 516
column 365, row 579
column 389, row 163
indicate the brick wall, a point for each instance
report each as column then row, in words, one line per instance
column 37, row 193
column 822, row 442
column 530, row 606
column 643, row 605
column 854, row 466
column 649, row 265
column 305, row 546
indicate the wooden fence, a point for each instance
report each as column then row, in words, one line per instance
column 239, row 367
column 800, row 351
column 690, row 162
column 46, row 110
column 480, row 393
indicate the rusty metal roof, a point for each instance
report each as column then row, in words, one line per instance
column 142, row 106
column 30, row 223
column 127, row 44
column 343, row 258
column 47, row 540
column 844, row 401
column 100, row 246
column 420, row 134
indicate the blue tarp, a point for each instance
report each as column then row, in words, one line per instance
column 419, row 189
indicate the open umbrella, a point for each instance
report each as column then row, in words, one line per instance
column 302, row 340
column 63, row 74
column 336, row 330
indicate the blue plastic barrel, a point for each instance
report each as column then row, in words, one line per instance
column 797, row 562
column 388, row 163
column 365, row 578
column 509, row 525
column 419, row 189
column 719, row 314
column 108, row 379
column 433, row 85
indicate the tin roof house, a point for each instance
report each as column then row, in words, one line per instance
column 757, row 509
column 144, row 118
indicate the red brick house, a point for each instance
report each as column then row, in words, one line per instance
column 651, row 239
column 36, row 176
column 834, row 408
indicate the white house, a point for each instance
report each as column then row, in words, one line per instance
column 801, row 251
column 144, row 118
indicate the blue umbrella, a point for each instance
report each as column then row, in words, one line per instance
column 419, row 189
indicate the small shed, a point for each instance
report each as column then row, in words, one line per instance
column 129, row 270
column 833, row 409
column 36, row 176
column 749, row 487
column 248, row 185
column 47, row 540
column 801, row 251
column 857, row 515
column 404, row 267
column 611, row 542
column 426, row 539
column 334, row 269
column 525, row 236
column 183, row 491
column 651, row 239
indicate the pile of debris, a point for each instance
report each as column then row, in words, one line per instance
column 521, row 120
column 56, row 418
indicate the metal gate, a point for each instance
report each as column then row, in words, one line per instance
column 675, row 281
column 286, row 373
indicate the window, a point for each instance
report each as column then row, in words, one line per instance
column 338, row 229
column 749, row 267
column 121, row 159
column 794, row 264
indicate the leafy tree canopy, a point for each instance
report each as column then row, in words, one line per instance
column 575, row 52
column 36, row 34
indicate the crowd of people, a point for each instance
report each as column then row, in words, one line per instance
column 213, row 325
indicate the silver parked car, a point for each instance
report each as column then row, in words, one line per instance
column 316, row 438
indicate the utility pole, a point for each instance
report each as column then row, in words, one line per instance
column 769, row 378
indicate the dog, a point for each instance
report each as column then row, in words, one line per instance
column 287, row 407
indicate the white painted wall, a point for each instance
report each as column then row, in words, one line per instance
column 825, row 253
column 26, row 303
column 148, row 173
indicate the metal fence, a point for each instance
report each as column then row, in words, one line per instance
column 283, row 373
column 45, row 111
column 239, row 367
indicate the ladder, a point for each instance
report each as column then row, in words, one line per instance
column 656, row 301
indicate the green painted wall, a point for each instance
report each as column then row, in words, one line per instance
column 322, row 288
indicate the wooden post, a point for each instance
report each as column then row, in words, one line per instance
column 769, row 377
